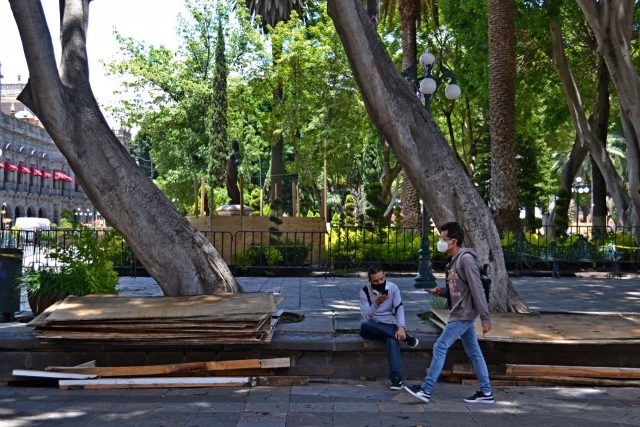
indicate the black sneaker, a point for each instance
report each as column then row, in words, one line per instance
column 411, row 341
column 396, row 384
column 419, row 392
column 480, row 397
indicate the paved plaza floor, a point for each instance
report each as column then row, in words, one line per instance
column 328, row 304
column 339, row 403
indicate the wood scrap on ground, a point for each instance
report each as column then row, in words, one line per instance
column 148, row 370
column 244, row 318
column 222, row 373
column 548, row 375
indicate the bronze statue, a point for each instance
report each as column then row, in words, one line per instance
column 232, row 173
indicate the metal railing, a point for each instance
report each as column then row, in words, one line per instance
column 344, row 248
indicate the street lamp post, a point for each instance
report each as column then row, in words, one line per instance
column 579, row 188
column 3, row 214
column 427, row 87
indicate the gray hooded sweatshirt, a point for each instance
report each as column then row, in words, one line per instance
column 466, row 298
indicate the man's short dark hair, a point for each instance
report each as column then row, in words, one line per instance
column 454, row 231
column 374, row 269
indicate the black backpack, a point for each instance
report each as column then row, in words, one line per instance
column 484, row 275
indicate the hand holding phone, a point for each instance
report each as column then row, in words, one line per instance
column 434, row 291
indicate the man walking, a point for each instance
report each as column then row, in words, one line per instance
column 466, row 299
column 383, row 320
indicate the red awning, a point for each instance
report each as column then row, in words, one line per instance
column 35, row 171
column 1, row 165
column 10, row 166
column 61, row 176
column 45, row 174
column 23, row 169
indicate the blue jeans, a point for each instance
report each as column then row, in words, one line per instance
column 464, row 330
column 372, row 330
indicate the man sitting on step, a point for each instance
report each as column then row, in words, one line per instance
column 383, row 320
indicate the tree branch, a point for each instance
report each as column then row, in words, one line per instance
column 41, row 61
column 74, row 67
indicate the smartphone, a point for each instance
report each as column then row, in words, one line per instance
column 385, row 292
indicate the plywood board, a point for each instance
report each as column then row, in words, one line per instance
column 224, row 307
column 561, row 328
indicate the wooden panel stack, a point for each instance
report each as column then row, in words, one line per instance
column 247, row 318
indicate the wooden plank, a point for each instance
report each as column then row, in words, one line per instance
column 89, row 364
column 212, row 366
column 154, row 382
column 280, row 381
column 278, row 362
column 47, row 374
column 573, row 371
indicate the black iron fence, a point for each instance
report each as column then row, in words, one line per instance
column 346, row 248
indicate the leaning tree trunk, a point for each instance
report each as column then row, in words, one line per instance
column 599, row 154
column 420, row 145
column 611, row 23
column 502, row 110
column 180, row 258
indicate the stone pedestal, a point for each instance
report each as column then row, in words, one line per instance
column 234, row 210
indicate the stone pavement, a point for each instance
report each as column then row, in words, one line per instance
column 330, row 308
column 337, row 403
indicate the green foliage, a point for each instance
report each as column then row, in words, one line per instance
column 171, row 99
column 350, row 210
column 86, row 267
column 283, row 253
column 353, row 247
column 254, row 199
column 218, row 111
column 439, row 303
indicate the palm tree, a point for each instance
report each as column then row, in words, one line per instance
column 502, row 102
column 272, row 12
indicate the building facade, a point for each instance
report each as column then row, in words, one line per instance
column 35, row 178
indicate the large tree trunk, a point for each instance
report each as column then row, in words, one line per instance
column 611, row 23
column 578, row 153
column 502, row 110
column 600, row 127
column 411, row 215
column 179, row 257
column 615, row 185
column 420, row 146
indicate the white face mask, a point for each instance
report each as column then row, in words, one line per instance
column 442, row 246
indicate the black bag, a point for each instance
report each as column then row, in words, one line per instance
column 484, row 275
